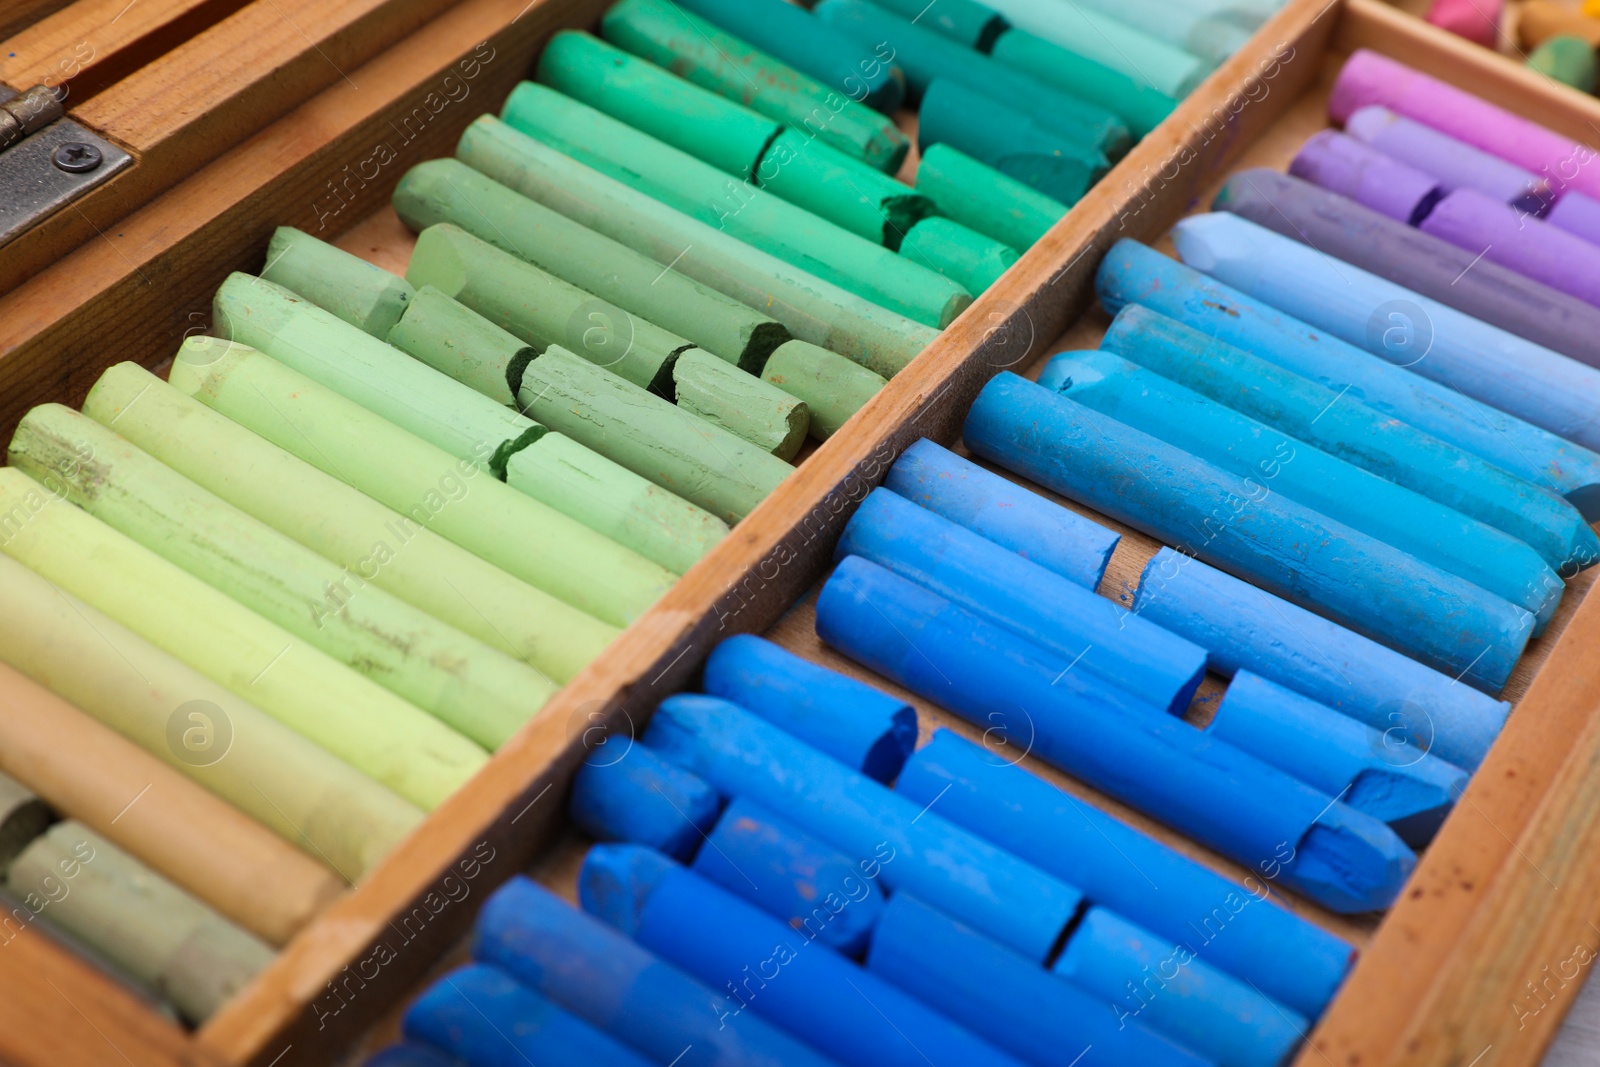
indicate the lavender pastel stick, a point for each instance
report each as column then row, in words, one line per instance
column 1453, row 164
column 1577, row 214
column 1348, row 167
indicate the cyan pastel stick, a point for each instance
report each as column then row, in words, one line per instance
column 1166, row 69
column 917, row 851
column 822, row 998
column 1008, row 999
column 862, row 727
column 1132, row 273
column 1346, row 861
column 1245, row 628
column 1489, row 365
column 644, row 799
column 1239, row 929
column 973, row 260
column 412, row 1054
column 1382, row 773
column 1183, row 418
column 1094, row 633
column 600, row 975
column 1243, row 524
column 486, row 1018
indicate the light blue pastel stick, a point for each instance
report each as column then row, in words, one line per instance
column 1237, row 928
column 1084, row 628
column 644, row 799
column 1164, row 986
column 1379, row 772
column 1244, row 628
column 1456, row 544
column 1241, row 524
column 1434, row 340
column 1004, row 512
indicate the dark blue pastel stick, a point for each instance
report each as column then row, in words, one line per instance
column 487, row 1018
column 787, row 873
column 1243, row 525
column 864, row 728
column 412, row 1054
column 766, row 968
column 1096, row 634
column 1226, row 800
column 1380, row 773
column 644, row 799
column 956, row 871
column 1006, row 513
column 1236, row 928
column 598, row 974
column 1010, row 1000
column 1167, row 988
column 1245, row 628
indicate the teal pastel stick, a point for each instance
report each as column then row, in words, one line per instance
column 1141, row 106
column 1100, row 37
column 970, row 23
column 974, row 261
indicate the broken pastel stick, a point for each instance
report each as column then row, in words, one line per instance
column 832, row 387
column 644, row 799
column 751, row 409
column 973, row 260
column 362, row 294
column 984, row 200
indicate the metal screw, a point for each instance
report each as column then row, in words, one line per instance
column 76, row 157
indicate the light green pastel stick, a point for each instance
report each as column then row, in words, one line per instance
column 231, row 747
column 967, row 256
column 455, row 340
column 453, row 498
column 675, row 449
column 747, row 407
column 815, row 373
column 362, row 294
column 984, row 200
column 356, row 719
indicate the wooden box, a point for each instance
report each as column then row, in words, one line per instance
column 248, row 124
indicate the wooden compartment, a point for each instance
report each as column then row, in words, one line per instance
column 1502, row 893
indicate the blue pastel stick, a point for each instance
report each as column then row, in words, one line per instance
column 1243, row 525
column 599, row 975
column 787, row 873
column 1486, row 557
column 1005, row 998
column 644, row 799
column 1404, row 327
column 1166, row 987
column 1004, row 512
column 770, row 970
column 1226, row 800
column 1237, row 928
column 1379, row 772
column 412, row 1054
column 488, row 1019
column 956, row 871
column 864, row 728
column 1096, row 634
column 1245, row 628
column 1132, row 273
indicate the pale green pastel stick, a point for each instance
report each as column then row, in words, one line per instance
column 967, row 256
column 455, row 340
column 288, row 784
column 747, row 407
column 362, row 294
column 478, row 690
column 357, row 720
column 815, row 373
column 453, row 498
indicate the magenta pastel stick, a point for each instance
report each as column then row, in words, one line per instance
column 1505, row 235
column 1476, row 20
column 1345, row 166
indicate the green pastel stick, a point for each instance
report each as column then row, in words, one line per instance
column 455, row 340
column 307, row 690
column 1567, row 59
column 747, row 407
column 362, row 294
column 842, row 190
column 984, row 200
column 652, row 437
column 1141, row 106
column 452, row 497
column 701, row 191
column 810, row 308
column 699, row 52
column 296, row 789
column 970, row 23
column 832, row 387
column 967, row 256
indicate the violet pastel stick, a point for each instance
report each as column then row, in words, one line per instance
column 1348, row 167
column 646, row 800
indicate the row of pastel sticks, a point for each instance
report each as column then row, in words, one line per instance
column 1556, row 39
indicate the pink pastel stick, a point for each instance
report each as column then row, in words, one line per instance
column 1476, row 20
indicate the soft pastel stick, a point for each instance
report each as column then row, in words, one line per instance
column 965, row 21
column 1245, row 628
column 1139, row 104
column 362, row 294
column 644, row 799
column 973, row 260
column 832, row 386
column 1102, row 38
column 1094, row 633
column 1350, row 168
column 1451, row 163
column 985, row 200
column 750, row 408
column 1346, row 861
column 1476, row 20
column 453, row 339
column 1201, row 32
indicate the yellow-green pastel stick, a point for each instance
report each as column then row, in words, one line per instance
column 357, row 720
column 361, row 293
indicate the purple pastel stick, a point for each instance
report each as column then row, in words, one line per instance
column 1577, row 214
column 1367, row 176
column 1453, row 164
column 1505, row 235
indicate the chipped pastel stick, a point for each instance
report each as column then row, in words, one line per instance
column 750, row 408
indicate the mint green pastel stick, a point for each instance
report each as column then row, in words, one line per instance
column 1211, row 35
column 1141, row 106
column 455, row 340
column 967, row 256
column 1102, row 38
column 362, row 294
column 810, row 308
column 984, row 200
column 747, row 407
column 833, row 388
column 700, row 190
column 452, row 497
column 373, row 730
column 842, row 190
column 673, row 448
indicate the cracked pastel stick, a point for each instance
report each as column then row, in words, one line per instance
column 360, row 293
column 1139, row 104
column 1095, row 634
column 824, row 999
column 1238, row 929
column 646, row 800
column 602, row 976
column 741, row 755
column 1346, row 861
column 973, row 260
column 984, row 200
column 751, row 409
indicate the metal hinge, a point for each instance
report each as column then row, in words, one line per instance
column 46, row 159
